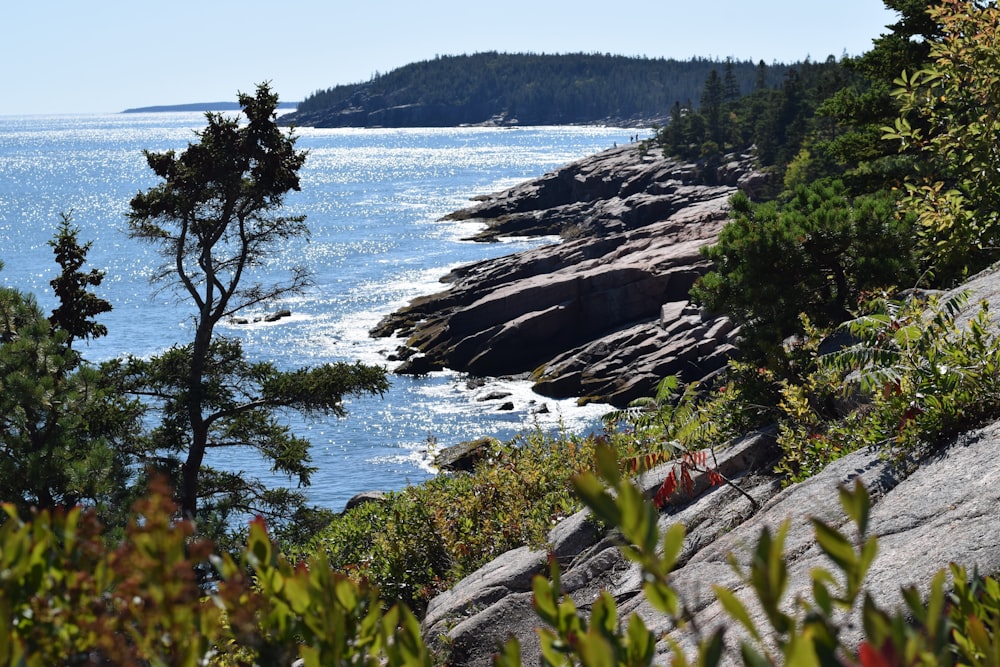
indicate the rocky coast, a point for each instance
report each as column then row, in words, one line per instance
column 604, row 313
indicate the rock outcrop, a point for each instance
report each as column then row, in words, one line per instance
column 942, row 513
column 603, row 314
column 941, row 510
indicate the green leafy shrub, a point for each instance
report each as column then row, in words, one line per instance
column 686, row 427
column 914, row 376
column 815, row 254
column 426, row 537
column 950, row 116
column 67, row 599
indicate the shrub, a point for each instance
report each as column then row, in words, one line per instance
column 426, row 537
column 66, row 598
column 815, row 254
column 914, row 376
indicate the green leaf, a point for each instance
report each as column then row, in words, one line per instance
column 662, row 597
column 296, row 591
column 857, row 504
column 752, row 657
column 710, row 650
column 545, row 600
column 641, row 642
column 509, row 655
column 595, row 651
column 604, row 614
column 837, row 547
column 606, row 461
column 821, row 593
column 673, row 543
column 594, row 495
column 800, row 652
column 736, row 609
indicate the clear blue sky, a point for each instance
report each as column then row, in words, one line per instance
column 68, row 56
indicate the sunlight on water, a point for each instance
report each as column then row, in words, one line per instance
column 373, row 201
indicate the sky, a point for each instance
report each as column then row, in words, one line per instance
column 104, row 56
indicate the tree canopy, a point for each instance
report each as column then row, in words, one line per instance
column 950, row 117
column 215, row 217
column 526, row 88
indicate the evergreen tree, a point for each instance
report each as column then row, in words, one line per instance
column 731, row 86
column 77, row 306
column 64, row 437
column 712, row 96
column 760, row 82
column 215, row 216
column 813, row 255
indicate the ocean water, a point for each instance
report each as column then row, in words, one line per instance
column 373, row 199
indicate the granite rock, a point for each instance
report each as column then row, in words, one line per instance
column 602, row 314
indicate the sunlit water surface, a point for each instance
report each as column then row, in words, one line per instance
column 373, row 199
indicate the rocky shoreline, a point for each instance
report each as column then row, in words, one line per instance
column 604, row 314
column 610, row 302
column 930, row 512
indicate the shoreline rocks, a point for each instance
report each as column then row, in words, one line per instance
column 604, row 314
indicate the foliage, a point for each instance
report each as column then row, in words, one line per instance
column 845, row 139
column 215, row 217
column 815, row 254
column 950, row 116
column 775, row 119
column 239, row 401
column 805, row 631
column 68, row 599
column 684, row 428
column 62, row 433
column 77, row 306
column 531, row 89
column 426, row 537
column 915, row 375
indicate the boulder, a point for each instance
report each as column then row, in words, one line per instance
column 362, row 498
column 464, row 455
column 481, row 611
column 277, row 315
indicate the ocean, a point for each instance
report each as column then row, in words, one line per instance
column 373, row 200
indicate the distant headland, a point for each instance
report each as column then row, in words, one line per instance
column 201, row 106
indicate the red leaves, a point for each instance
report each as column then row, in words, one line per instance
column 636, row 464
column 690, row 462
column 666, row 490
column 872, row 657
column 910, row 414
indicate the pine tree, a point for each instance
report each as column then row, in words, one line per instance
column 215, row 216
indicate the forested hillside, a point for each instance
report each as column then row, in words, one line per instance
column 527, row 89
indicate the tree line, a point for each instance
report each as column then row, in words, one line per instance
column 530, row 89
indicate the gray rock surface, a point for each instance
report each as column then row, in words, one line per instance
column 945, row 511
column 605, row 313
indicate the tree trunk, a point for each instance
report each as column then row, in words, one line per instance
column 199, row 428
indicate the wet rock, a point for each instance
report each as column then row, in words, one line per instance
column 277, row 315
